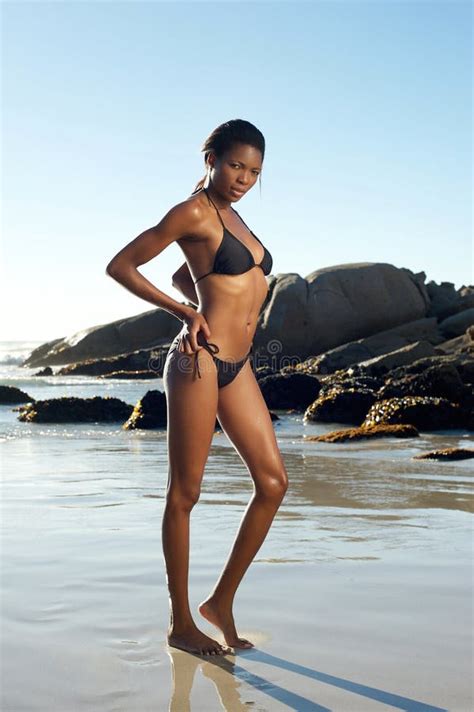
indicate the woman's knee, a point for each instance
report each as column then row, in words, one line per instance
column 272, row 484
column 183, row 496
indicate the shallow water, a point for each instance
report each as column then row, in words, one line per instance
column 360, row 597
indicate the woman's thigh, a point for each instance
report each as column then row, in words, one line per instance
column 191, row 410
column 244, row 417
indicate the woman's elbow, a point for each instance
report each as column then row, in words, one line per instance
column 114, row 268
column 109, row 269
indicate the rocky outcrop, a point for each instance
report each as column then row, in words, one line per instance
column 425, row 413
column 143, row 331
column 449, row 453
column 48, row 371
column 362, row 433
column 338, row 405
column 338, row 304
column 131, row 375
column 10, row 395
column 374, row 315
column 431, row 393
column 149, row 412
column 76, row 410
column 143, row 360
column 292, row 390
column 400, row 345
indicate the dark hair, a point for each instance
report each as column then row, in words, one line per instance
column 224, row 137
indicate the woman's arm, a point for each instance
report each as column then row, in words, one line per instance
column 177, row 223
column 183, row 282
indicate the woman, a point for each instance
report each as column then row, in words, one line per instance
column 224, row 276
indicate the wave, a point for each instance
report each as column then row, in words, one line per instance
column 10, row 360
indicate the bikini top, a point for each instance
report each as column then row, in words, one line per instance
column 232, row 256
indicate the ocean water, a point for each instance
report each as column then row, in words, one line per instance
column 81, row 543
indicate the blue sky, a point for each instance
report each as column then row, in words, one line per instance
column 365, row 107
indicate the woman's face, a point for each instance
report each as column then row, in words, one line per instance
column 237, row 171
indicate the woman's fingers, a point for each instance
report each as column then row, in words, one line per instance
column 185, row 348
column 188, row 346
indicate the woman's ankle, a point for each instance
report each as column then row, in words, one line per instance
column 181, row 625
column 221, row 601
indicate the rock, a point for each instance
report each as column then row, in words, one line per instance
column 461, row 363
column 450, row 453
column 400, row 357
column 425, row 413
column 444, row 376
column 457, row 324
column 466, row 370
column 11, row 394
column 149, row 413
column 440, row 379
column 424, row 331
column 144, row 360
column 374, row 431
column 48, row 371
column 306, row 317
column 149, row 329
column 341, row 406
column 131, row 375
column 446, row 301
column 461, row 345
column 284, row 391
column 76, row 410
column 347, row 380
column 263, row 371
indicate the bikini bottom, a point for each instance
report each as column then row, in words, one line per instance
column 227, row 370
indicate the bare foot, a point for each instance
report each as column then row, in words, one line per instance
column 223, row 619
column 192, row 640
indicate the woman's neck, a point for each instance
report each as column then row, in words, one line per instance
column 220, row 203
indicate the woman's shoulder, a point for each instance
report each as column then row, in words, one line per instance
column 192, row 212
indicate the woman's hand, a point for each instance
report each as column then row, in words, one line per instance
column 194, row 322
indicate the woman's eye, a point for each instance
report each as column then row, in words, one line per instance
column 236, row 165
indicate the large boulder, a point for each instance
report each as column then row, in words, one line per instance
column 365, row 309
column 457, row 324
column 12, row 395
column 98, row 409
column 446, row 300
column 415, row 338
column 142, row 331
column 334, row 305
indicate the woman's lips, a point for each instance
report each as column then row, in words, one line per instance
column 237, row 192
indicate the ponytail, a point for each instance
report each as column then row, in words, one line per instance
column 199, row 184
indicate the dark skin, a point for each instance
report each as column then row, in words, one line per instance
column 228, row 309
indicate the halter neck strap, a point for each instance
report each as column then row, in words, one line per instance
column 217, row 211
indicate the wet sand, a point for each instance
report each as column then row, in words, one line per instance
column 360, row 598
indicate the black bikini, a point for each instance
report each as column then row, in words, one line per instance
column 227, row 370
column 232, row 257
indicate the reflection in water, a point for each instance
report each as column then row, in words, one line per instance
column 219, row 669
column 84, row 581
column 228, row 676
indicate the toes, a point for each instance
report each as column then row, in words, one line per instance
column 211, row 651
column 245, row 643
